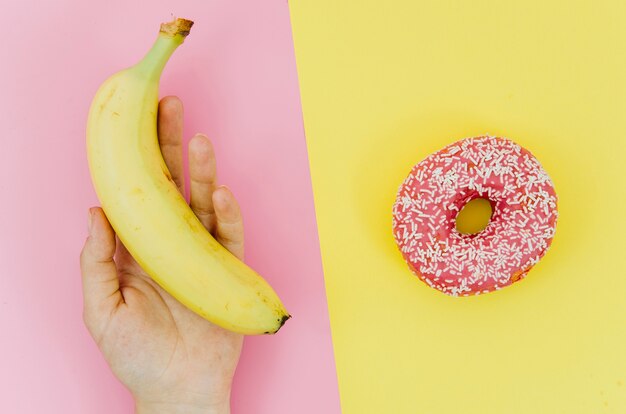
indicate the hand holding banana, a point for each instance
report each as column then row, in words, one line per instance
column 171, row 359
column 149, row 214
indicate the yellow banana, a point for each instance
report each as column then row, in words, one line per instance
column 151, row 217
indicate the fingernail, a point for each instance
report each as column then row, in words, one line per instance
column 225, row 196
column 221, row 188
column 90, row 221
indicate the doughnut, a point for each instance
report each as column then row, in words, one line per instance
column 519, row 232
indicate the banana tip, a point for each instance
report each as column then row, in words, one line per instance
column 282, row 322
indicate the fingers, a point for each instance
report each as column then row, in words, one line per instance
column 101, row 294
column 170, row 131
column 229, row 223
column 202, row 177
column 217, row 208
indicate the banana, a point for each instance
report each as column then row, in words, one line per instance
column 149, row 214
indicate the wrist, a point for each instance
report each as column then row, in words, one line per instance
column 187, row 398
column 173, row 407
column 182, row 405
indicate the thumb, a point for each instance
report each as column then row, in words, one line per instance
column 101, row 288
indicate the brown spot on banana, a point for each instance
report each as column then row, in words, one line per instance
column 168, row 175
column 107, row 99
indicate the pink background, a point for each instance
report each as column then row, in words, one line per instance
column 236, row 76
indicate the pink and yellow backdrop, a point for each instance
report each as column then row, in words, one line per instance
column 383, row 84
column 236, row 75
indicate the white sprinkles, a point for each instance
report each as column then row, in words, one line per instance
column 520, row 231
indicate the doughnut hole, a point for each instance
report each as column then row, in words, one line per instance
column 474, row 216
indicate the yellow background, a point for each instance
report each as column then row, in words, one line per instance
column 384, row 84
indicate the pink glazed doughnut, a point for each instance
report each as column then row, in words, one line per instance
column 520, row 230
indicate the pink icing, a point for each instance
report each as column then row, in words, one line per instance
column 519, row 233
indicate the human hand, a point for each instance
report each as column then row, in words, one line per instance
column 171, row 359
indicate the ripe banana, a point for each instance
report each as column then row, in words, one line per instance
column 151, row 217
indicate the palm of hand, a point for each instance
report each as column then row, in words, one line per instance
column 163, row 352
column 165, row 346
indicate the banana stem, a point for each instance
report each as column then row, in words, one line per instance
column 177, row 27
column 171, row 35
